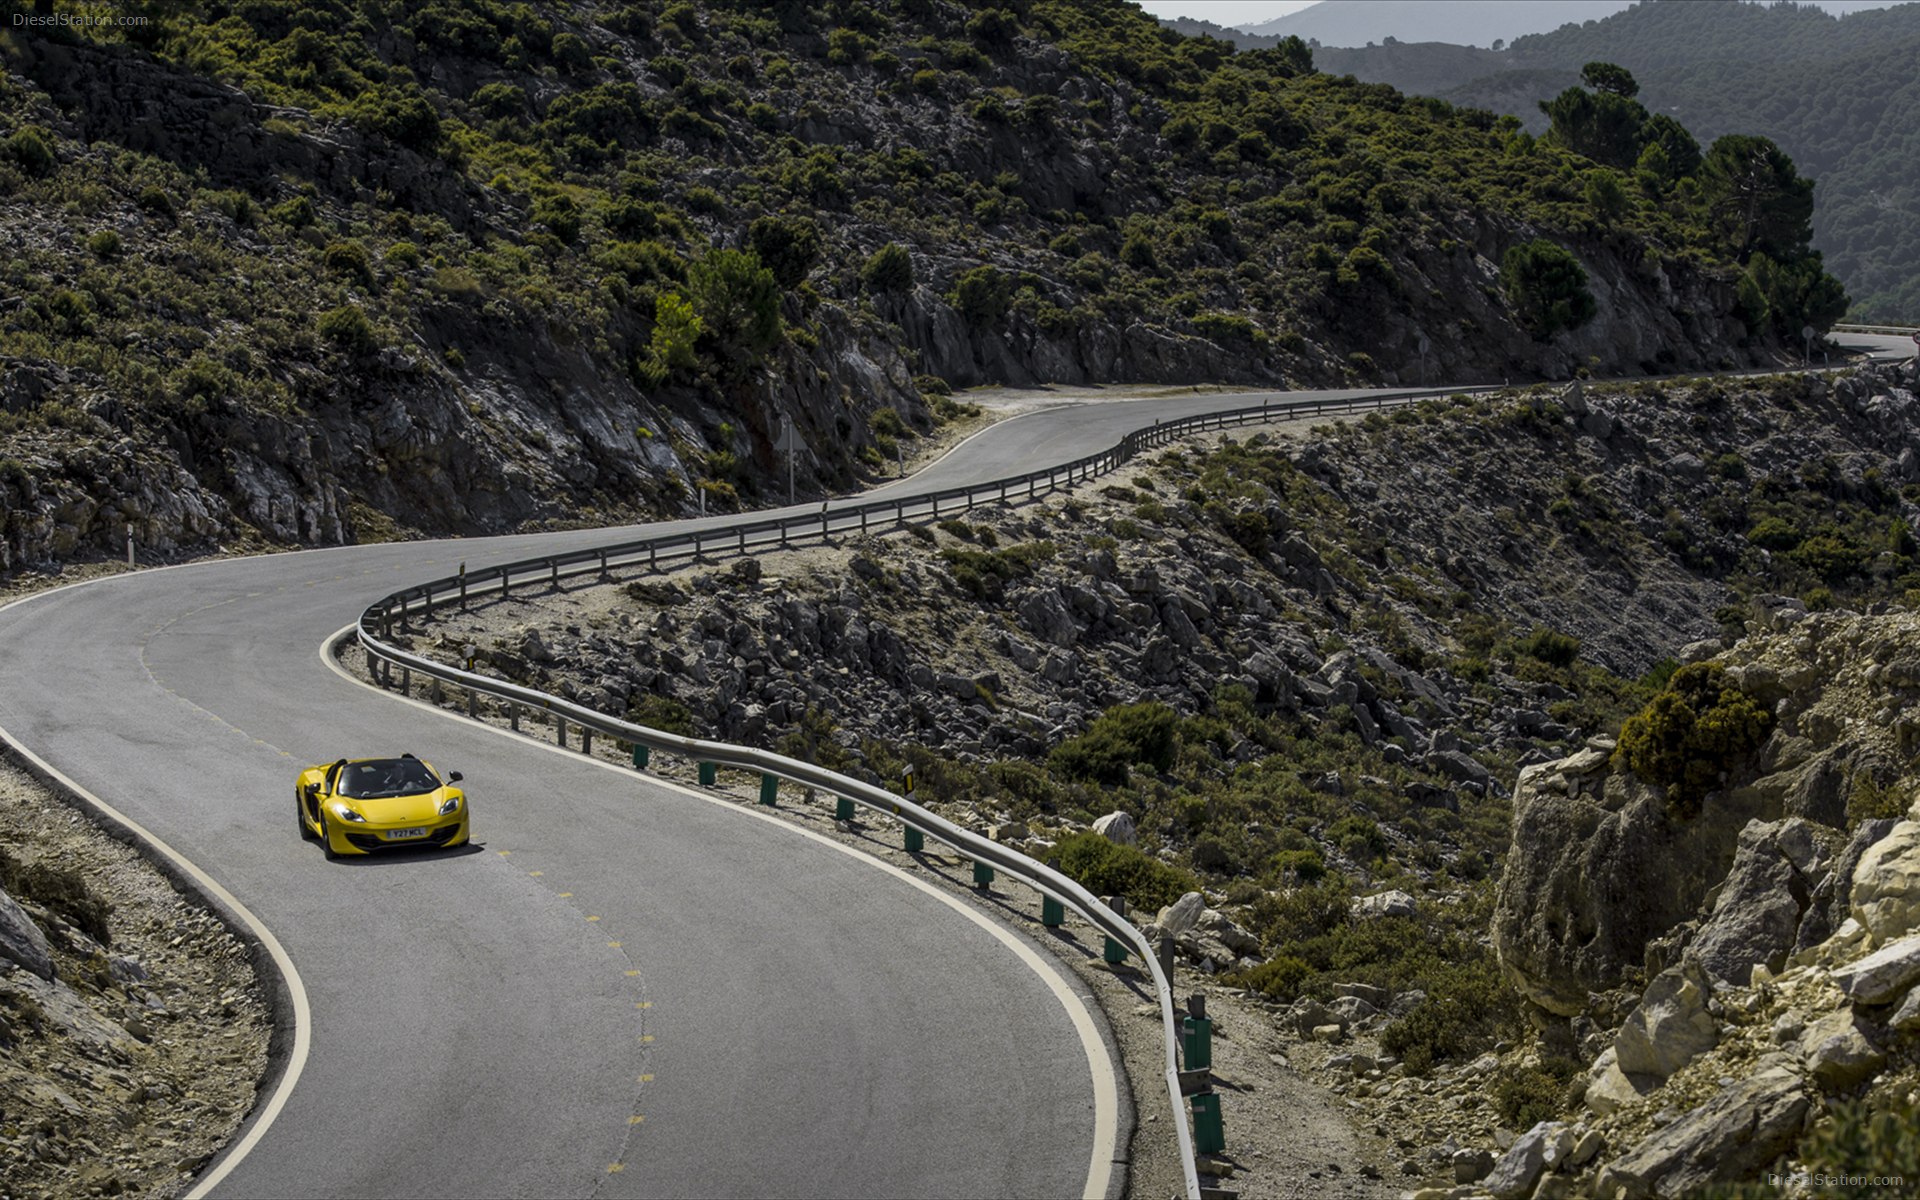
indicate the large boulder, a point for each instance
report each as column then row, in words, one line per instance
column 1832, row 896
column 1519, row 1169
column 1883, row 976
column 1671, row 1024
column 1886, row 884
column 1838, row 1052
column 1758, row 910
column 1751, row 1122
column 1598, row 868
column 1116, row 827
column 21, row 941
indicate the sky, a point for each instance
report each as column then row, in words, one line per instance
column 1236, row 13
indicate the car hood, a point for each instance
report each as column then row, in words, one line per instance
column 396, row 810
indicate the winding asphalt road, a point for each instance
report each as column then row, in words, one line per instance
column 626, row 989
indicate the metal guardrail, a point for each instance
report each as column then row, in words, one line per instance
column 377, row 621
column 1893, row 329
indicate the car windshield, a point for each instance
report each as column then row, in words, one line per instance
column 386, row 777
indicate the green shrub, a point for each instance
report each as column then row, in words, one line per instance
column 1547, row 646
column 1119, row 739
column 1302, row 866
column 1525, row 1096
column 1772, row 533
column 1468, row 1007
column 32, row 147
column 788, row 246
column 1861, row 1144
column 348, row 328
column 890, row 269
column 659, row 712
column 982, row 295
column 1693, row 733
column 104, row 245
column 349, row 258
column 1547, row 286
column 738, row 302
column 1278, row 978
column 156, row 201
column 296, row 213
column 1107, row 868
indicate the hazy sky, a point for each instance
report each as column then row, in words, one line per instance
column 1236, row 13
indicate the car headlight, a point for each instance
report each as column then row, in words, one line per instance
column 347, row 814
column 450, row 804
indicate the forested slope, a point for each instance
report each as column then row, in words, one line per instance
column 305, row 270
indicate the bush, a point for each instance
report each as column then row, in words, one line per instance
column 1547, row 286
column 104, row 245
column 982, row 295
column 890, row 269
column 1525, row 1096
column 32, row 147
column 739, row 304
column 1554, row 649
column 1120, row 738
column 1693, row 733
column 1468, row 1007
column 1277, row 979
column 349, row 258
column 60, row 890
column 1861, row 1145
column 788, row 246
column 1109, row 869
column 348, row 328
column 659, row 712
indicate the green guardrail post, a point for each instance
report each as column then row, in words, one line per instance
column 708, row 772
column 641, row 755
column 770, row 789
column 982, row 875
column 1209, row 1133
column 1053, row 914
column 843, row 809
column 1115, row 953
column 1196, row 1043
column 916, row 841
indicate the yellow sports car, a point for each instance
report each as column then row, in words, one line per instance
column 370, row 804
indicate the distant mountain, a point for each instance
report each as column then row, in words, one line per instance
column 1463, row 22
column 1839, row 94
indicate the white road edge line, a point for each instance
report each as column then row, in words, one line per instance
column 265, row 1115
column 1106, row 1094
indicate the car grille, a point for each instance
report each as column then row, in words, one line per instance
column 371, row 842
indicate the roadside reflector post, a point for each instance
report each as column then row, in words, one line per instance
column 843, row 808
column 1053, row 914
column 642, row 755
column 982, row 875
column 769, row 790
column 708, row 773
column 1209, row 1134
column 1196, row 1035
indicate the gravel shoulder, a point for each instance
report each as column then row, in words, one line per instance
column 129, row 1070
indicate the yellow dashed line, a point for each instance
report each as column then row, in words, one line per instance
column 615, row 1168
column 643, row 1004
column 646, row 1079
column 593, row 918
column 613, row 945
column 536, row 873
column 633, row 974
column 635, row 1119
column 646, row 1037
column 503, row 853
column 566, row 895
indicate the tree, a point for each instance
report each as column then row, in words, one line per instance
column 1604, row 126
column 676, row 335
column 1756, row 201
column 889, row 270
column 1605, row 77
column 738, row 303
column 1548, row 287
column 789, row 246
column 1681, row 151
column 982, row 295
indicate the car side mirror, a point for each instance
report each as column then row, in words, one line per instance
column 454, row 777
column 313, row 789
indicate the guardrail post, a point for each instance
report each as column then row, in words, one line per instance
column 386, row 622
column 743, row 541
column 653, row 557
column 708, row 773
column 553, row 565
column 561, row 724
column 863, row 520
column 427, row 605
column 915, row 840
column 1053, row 914
column 604, row 577
column 1209, row 1133
column 463, row 587
column 843, row 809
column 586, row 740
column 513, row 717
column 1196, row 1035
column 406, row 681
column 471, row 700
column 504, row 579
column 641, row 755
column 982, row 875
column 1115, row 953
column 770, row 790
column 434, row 693
column 936, row 507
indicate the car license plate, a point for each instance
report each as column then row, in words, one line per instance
column 396, row 835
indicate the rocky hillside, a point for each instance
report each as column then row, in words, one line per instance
column 1272, row 692
column 133, row 1029
column 295, row 273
